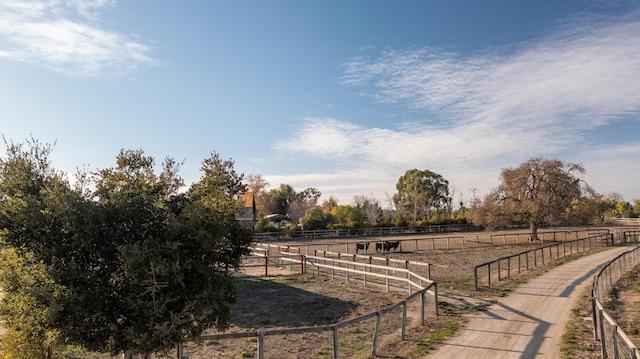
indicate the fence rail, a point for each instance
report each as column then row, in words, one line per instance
column 421, row 285
column 531, row 258
column 361, row 232
column 424, row 243
column 614, row 341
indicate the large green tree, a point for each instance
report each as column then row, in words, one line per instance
column 421, row 192
column 537, row 192
column 137, row 265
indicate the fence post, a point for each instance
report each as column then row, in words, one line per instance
column 435, row 296
column 260, row 345
column 404, row 319
column 614, row 340
column 594, row 315
column 376, row 331
column 302, row 264
column 266, row 265
column 423, row 295
column 475, row 275
column 387, row 273
column 603, row 341
column 335, row 342
column 519, row 261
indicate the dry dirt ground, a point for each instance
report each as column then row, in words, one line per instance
column 282, row 301
column 624, row 304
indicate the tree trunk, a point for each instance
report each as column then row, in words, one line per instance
column 534, row 231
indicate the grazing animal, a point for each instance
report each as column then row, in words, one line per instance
column 389, row 245
column 378, row 246
column 360, row 246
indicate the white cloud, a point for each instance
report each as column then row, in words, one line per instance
column 495, row 109
column 66, row 37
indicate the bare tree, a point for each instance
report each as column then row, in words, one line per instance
column 370, row 208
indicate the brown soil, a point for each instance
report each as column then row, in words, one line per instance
column 624, row 304
column 301, row 300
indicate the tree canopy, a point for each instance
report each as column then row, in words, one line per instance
column 132, row 264
column 538, row 191
column 419, row 192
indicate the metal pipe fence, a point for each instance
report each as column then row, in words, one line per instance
column 504, row 267
column 425, row 243
column 614, row 341
column 361, row 232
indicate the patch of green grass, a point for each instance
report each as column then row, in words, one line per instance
column 569, row 341
column 444, row 328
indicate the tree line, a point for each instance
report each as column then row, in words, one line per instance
column 536, row 193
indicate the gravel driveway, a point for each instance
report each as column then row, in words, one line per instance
column 530, row 322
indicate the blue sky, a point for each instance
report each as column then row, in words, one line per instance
column 344, row 96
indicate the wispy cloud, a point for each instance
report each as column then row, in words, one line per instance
column 494, row 108
column 66, row 36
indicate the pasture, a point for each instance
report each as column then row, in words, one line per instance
column 280, row 306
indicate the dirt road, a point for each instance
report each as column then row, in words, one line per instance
column 529, row 323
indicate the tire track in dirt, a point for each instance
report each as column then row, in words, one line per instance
column 530, row 322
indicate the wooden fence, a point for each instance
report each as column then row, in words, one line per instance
column 417, row 286
column 614, row 341
column 534, row 257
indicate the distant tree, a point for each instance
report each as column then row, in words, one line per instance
column 257, row 186
column 347, row 215
column 316, row 218
column 329, row 203
column 537, row 192
column 129, row 263
column 286, row 200
column 636, row 208
column 304, row 201
column 370, row 208
column 421, row 192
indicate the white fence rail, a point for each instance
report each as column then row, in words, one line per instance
column 418, row 286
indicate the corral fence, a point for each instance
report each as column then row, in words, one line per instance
column 418, row 286
column 426, row 243
column 361, row 232
column 627, row 221
column 505, row 266
column 263, row 258
column 614, row 341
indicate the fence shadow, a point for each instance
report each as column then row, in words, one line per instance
column 264, row 303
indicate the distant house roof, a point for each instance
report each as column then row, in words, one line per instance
column 277, row 217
